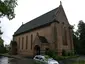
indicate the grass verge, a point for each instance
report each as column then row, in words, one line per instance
column 79, row 62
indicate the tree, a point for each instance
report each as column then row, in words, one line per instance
column 7, row 8
column 81, row 31
column 2, row 48
column 76, row 42
column 1, row 43
column 79, row 38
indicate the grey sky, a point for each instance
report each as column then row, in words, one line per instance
column 30, row 9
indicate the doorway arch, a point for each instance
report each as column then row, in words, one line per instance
column 37, row 50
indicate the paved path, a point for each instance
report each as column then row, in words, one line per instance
column 21, row 60
column 81, row 58
column 11, row 56
column 6, row 60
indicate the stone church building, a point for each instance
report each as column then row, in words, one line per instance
column 50, row 31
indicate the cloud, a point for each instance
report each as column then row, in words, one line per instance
column 30, row 9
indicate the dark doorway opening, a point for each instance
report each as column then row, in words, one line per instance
column 37, row 50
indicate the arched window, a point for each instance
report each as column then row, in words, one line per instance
column 26, row 42
column 19, row 43
column 31, row 40
column 22, row 41
column 55, row 32
column 64, row 36
column 70, row 37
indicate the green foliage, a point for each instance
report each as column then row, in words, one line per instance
column 13, row 43
column 7, row 8
column 64, row 53
column 68, row 53
column 2, row 48
column 1, row 42
column 71, row 53
column 52, row 53
column 81, row 30
column 79, row 62
column 47, row 57
column 79, row 38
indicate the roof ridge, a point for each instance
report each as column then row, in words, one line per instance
column 41, row 15
column 41, row 20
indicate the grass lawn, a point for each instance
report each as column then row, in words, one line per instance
column 79, row 62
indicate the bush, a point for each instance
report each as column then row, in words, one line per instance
column 71, row 53
column 79, row 62
column 64, row 53
column 51, row 53
column 3, row 50
column 68, row 53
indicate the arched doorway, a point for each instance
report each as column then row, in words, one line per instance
column 37, row 50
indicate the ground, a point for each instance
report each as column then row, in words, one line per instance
column 70, row 61
column 6, row 60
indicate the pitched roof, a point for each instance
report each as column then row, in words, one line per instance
column 37, row 22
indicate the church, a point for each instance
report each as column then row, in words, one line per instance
column 50, row 31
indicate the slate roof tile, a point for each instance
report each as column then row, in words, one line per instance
column 37, row 22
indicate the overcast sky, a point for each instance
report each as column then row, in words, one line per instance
column 30, row 9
